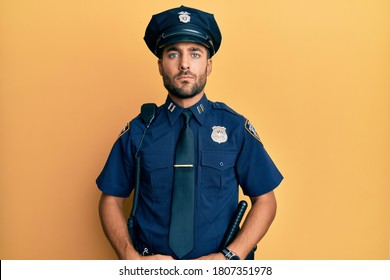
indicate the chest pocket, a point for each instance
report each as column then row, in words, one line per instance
column 156, row 175
column 218, row 173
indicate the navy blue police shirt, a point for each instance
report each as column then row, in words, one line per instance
column 228, row 154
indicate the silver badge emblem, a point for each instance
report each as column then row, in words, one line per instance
column 219, row 134
column 184, row 17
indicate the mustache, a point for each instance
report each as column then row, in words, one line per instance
column 185, row 73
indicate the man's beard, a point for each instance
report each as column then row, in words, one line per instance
column 185, row 91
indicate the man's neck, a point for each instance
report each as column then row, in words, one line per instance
column 186, row 102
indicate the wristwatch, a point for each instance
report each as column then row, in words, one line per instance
column 229, row 255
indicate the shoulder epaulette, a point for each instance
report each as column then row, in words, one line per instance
column 223, row 106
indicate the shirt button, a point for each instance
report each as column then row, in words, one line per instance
column 221, row 163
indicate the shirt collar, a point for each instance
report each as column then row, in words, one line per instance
column 198, row 110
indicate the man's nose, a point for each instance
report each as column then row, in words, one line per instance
column 184, row 65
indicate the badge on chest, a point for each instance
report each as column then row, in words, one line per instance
column 219, row 134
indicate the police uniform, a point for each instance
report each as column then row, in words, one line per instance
column 228, row 154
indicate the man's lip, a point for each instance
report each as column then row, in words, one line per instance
column 185, row 77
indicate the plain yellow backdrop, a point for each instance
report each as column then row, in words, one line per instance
column 312, row 76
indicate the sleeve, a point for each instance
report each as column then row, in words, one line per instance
column 257, row 173
column 116, row 178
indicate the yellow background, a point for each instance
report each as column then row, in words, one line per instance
column 312, row 76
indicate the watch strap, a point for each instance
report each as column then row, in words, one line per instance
column 229, row 255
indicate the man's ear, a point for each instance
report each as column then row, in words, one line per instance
column 159, row 62
column 209, row 66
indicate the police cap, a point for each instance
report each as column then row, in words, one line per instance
column 182, row 24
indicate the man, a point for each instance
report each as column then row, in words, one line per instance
column 222, row 151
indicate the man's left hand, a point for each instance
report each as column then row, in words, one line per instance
column 214, row 256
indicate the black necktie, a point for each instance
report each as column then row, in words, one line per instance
column 181, row 232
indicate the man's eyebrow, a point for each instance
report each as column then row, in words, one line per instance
column 195, row 49
column 172, row 49
column 175, row 49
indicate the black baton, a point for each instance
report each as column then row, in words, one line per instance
column 234, row 225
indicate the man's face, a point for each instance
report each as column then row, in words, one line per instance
column 184, row 68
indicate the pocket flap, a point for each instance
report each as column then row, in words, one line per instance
column 154, row 162
column 220, row 160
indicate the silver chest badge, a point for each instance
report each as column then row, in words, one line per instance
column 219, row 134
column 184, row 17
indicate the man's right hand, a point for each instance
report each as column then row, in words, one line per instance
column 156, row 257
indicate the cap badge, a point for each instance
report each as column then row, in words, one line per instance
column 219, row 134
column 184, row 17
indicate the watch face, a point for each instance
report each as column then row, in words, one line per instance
column 235, row 258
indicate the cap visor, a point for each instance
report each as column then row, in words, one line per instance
column 181, row 39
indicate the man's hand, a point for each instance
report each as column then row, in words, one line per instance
column 155, row 257
column 214, row 256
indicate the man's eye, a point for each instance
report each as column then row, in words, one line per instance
column 173, row 55
column 195, row 55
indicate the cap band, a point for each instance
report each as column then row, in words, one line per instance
column 206, row 40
